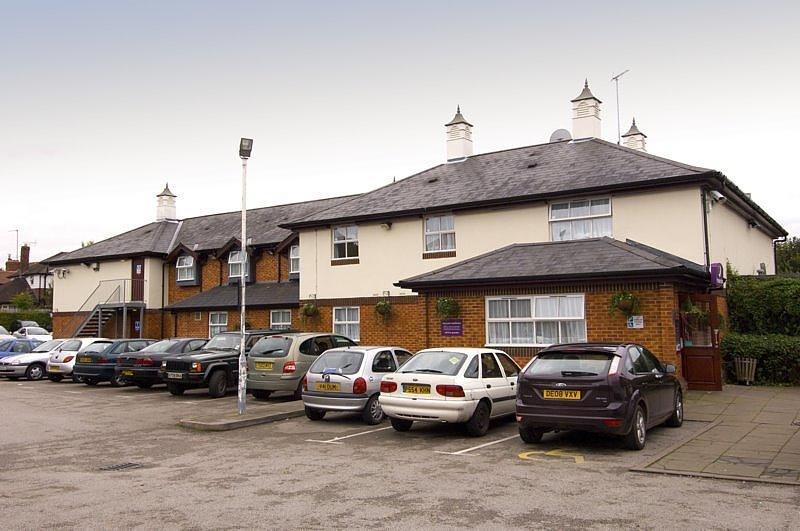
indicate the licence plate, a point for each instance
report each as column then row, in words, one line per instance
column 325, row 386
column 127, row 373
column 84, row 359
column 414, row 389
column 560, row 394
column 175, row 375
column 264, row 365
column 53, row 368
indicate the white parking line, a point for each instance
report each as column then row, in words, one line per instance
column 484, row 445
column 336, row 440
column 78, row 392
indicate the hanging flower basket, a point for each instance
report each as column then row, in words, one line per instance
column 383, row 308
column 625, row 303
column 309, row 309
column 447, row 307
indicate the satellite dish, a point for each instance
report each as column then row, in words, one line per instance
column 559, row 135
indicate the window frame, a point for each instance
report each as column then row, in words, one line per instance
column 212, row 324
column 345, row 241
column 439, row 233
column 284, row 325
column 242, row 263
column 294, row 255
column 551, row 220
column 347, row 323
column 183, row 268
column 533, row 319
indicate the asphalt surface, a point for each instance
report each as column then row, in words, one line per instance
column 337, row 473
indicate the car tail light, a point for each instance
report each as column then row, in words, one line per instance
column 359, row 386
column 289, row 367
column 305, row 383
column 147, row 362
column 613, row 423
column 614, row 368
column 68, row 359
column 101, row 359
column 388, row 387
column 450, row 390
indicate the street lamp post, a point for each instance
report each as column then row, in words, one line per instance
column 245, row 147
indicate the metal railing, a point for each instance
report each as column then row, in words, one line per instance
column 116, row 291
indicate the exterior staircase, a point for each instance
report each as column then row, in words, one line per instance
column 93, row 325
column 109, row 299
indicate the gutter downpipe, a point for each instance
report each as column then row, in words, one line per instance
column 775, row 243
column 706, row 253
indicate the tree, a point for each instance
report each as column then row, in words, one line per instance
column 87, row 243
column 23, row 301
column 788, row 256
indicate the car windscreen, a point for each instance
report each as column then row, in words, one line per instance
column 224, row 342
column 272, row 347
column 159, row 346
column 346, row 361
column 47, row 346
column 3, row 331
column 96, row 347
column 438, row 362
column 36, row 331
column 570, row 363
column 5, row 345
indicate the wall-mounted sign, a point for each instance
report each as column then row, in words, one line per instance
column 137, row 325
column 452, row 327
column 716, row 271
column 636, row 321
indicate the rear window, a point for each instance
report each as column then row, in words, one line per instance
column 47, row 346
column 224, row 341
column 441, row 362
column 567, row 363
column 33, row 330
column 348, row 361
column 96, row 347
column 272, row 347
column 159, row 346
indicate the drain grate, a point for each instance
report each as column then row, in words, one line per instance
column 120, row 466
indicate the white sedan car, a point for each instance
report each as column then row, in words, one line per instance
column 62, row 359
column 31, row 365
column 460, row 385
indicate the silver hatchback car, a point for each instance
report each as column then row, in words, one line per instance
column 349, row 379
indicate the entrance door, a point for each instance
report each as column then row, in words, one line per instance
column 702, row 364
column 137, row 279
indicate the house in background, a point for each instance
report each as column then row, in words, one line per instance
column 12, row 283
column 37, row 275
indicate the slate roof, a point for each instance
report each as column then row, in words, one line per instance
column 207, row 232
column 263, row 294
column 10, row 289
column 596, row 258
column 520, row 175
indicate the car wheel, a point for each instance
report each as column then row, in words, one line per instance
column 88, row 381
column 530, row 435
column 218, row 384
column 478, row 424
column 637, row 437
column 261, row 394
column 676, row 420
column 401, row 424
column 35, row 372
column 144, row 385
column 298, row 393
column 77, row 379
column 175, row 389
column 118, row 381
column 55, row 377
column 373, row 413
column 315, row 414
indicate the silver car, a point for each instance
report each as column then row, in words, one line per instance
column 349, row 379
column 31, row 365
column 62, row 359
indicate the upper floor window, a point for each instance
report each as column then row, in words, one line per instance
column 185, row 268
column 294, row 259
column 577, row 220
column 236, row 264
column 440, row 233
column 345, row 242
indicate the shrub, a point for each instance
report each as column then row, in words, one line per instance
column 625, row 303
column 384, row 309
column 447, row 307
column 778, row 356
column 43, row 318
column 768, row 305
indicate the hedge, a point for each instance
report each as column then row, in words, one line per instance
column 43, row 318
column 764, row 305
column 778, row 356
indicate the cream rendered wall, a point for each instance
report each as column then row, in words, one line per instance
column 71, row 292
column 670, row 220
column 732, row 240
column 152, row 282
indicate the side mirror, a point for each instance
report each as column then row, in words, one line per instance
column 671, row 369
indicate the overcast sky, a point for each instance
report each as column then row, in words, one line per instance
column 103, row 102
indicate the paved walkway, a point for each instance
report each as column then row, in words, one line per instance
column 753, row 434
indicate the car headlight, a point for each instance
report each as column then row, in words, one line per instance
column 163, row 364
column 197, row 367
column 15, row 362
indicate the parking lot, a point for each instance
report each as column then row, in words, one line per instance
column 337, row 473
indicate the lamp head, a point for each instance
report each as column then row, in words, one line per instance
column 245, row 147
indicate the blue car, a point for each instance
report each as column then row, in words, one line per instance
column 12, row 347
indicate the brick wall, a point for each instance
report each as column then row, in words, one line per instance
column 186, row 324
column 65, row 323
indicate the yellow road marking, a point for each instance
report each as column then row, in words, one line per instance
column 579, row 460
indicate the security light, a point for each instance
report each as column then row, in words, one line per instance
column 245, row 147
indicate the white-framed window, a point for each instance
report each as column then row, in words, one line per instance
column 294, row 259
column 440, row 233
column 185, row 268
column 580, row 219
column 236, row 264
column 535, row 321
column 345, row 242
column 280, row 319
column 198, row 316
column 347, row 322
column 217, row 322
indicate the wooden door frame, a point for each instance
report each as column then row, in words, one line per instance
column 708, row 358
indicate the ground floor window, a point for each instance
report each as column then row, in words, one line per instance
column 280, row 319
column 535, row 321
column 217, row 322
column 347, row 322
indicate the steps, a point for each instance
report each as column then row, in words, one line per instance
column 95, row 323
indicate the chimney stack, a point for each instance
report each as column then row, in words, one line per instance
column 634, row 138
column 459, row 137
column 11, row 264
column 586, row 114
column 24, row 257
column 166, row 208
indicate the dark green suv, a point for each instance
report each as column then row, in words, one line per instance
column 216, row 366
